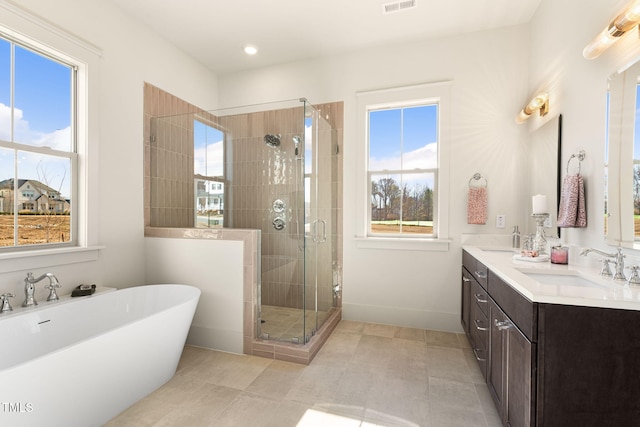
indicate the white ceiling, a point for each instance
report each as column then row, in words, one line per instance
column 215, row 31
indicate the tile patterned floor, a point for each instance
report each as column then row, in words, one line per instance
column 285, row 324
column 365, row 375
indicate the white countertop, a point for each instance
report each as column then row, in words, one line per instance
column 605, row 292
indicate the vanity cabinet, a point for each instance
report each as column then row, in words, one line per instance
column 552, row 364
column 475, row 310
column 511, row 377
column 504, row 353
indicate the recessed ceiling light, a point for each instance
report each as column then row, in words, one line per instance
column 250, row 50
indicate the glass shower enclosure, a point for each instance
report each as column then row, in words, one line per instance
column 270, row 167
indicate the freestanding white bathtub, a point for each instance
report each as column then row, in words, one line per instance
column 81, row 361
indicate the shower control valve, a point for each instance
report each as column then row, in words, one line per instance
column 279, row 206
column 278, row 223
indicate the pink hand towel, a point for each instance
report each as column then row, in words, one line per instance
column 477, row 205
column 572, row 211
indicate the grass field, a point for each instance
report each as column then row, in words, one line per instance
column 35, row 229
column 417, row 227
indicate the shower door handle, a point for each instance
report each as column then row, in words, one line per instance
column 323, row 238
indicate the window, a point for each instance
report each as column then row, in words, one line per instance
column 208, row 155
column 403, row 160
column 403, row 169
column 37, row 147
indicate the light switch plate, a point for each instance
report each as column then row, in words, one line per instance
column 501, row 221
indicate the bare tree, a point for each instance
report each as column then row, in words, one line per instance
column 54, row 218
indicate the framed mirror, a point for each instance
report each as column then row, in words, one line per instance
column 622, row 159
column 545, row 171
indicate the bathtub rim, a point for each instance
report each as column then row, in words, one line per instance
column 52, row 304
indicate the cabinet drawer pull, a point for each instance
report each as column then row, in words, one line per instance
column 481, row 274
column 503, row 325
column 481, row 298
column 464, row 279
column 478, row 358
column 478, row 327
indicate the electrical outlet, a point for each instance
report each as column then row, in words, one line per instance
column 501, row 221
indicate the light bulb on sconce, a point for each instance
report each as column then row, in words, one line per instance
column 612, row 33
column 540, row 102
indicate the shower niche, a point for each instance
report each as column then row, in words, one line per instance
column 273, row 167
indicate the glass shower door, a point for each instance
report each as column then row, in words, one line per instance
column 319, row 226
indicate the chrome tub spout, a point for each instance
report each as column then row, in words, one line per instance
column 29, row 288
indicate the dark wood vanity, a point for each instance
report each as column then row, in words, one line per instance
column 551, row 364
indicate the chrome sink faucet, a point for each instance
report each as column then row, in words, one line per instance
column 618, row 258
column 29, row 288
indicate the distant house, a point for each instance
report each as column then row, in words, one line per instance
column 32, row 196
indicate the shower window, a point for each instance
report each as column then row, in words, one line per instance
column 38, row 157
column 208, row 167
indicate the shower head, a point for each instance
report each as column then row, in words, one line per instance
column 272, row 140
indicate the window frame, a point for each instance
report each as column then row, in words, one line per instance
column 405, row 96
column 40, row 35
column 72, row 154
column 402, row 171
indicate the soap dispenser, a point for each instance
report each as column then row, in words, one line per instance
column 515, row 237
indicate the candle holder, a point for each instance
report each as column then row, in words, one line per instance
column 540, row 242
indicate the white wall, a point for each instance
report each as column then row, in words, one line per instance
column 490, row 75
column 216, row 268
column 493, row 72
column 130, row 55
column 577, row 87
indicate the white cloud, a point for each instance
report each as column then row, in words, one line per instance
column 50, row 170
column 423, row 158
column 58, row 140
column 209, row 160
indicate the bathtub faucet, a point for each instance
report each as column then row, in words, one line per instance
column 29, row 288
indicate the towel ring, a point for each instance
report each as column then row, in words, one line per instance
column 580, row 156
column 478, row 177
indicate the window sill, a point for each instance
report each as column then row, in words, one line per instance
column 408, row 244
column 19, row 261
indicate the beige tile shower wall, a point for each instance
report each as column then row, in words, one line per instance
column 168, row 150
column 258, row 175
column 246, row 145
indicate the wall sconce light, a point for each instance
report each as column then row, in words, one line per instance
column 539, row 102
column 618, row 27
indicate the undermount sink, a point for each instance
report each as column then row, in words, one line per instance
column 561, row 279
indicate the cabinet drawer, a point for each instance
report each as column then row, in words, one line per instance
column 480, row 297
column 478, row 270
column 522, row 312
column 479, row 328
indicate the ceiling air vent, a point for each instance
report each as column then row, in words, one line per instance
column 397, row 6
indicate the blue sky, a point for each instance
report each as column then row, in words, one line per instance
column 207, row 150
column 42, row 86
column 42, row 115
column 403, row 138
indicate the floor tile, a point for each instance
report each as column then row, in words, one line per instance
column 365, row 375
column 443, row 339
